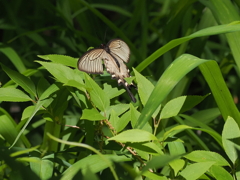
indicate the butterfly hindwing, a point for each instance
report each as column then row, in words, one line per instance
column 119, row 49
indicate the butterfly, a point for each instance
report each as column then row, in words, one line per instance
column 114, row 55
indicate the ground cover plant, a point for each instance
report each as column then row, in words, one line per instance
column 57, row 122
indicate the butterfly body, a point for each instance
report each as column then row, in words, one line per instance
column 114, row 55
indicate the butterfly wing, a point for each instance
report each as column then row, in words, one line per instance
column 91, row 61
column 119, row 49
column 118, row 73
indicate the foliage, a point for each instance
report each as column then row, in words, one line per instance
column 57, row 122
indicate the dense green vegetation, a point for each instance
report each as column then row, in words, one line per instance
column 57, row 122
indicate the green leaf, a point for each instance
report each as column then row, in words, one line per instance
column 21, row 80
column 175, row 130
column 151, row 175
column 98, row 96
column 8, row 128
column 177, row 165
column 145, row 87
column 61, row 59
column 226, row 28
column 173, row 107
column 133, row 135
column 123, row 121
column 204, row 127
column 76, row 84
column 179, row 105
column 220, row 173
column 205, row 156
column 158, row 162
column 92, row 115
column 112, row 92
column 135, row 115
column 220, row 91
column 42, row 85
column 230, row 133
column 118, row 108
column 114, row 119
column 172, row 75
column 13, row 57
column 60, row 72
column 42, row 167
column 13, row 95
column 176, row 147
column 194, row 171
column 42, row 100
column 93, row 162
column 149, row 147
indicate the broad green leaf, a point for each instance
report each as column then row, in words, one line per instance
column 8, row 128
column 205, row 156
column 133, row 135
column 149, row 147
column 27, row 111
column 158, row 162
column 76, row 84
column 92, row 115
column 230, row 133
column 112, row 92
column 176, row 147
column 60, row 72
column 27, row 73
column 123, row 121
column 145, row 87
column 61, row 59
column 42, row 85
column 135, row 115
column 177, row 165
column 192, row 101
column 13, row 57
column 89, row 175
column 42, row 167
column 220, row 173
column 114, row 119
column 118, row 108
column 13, row 95
column 172, row 75
column 179, row 105
column 97, row 95
column 194, row 171
column 21, row 80
column 173, row 107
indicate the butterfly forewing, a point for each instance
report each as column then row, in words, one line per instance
column 91, row 61
column 119, row 49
